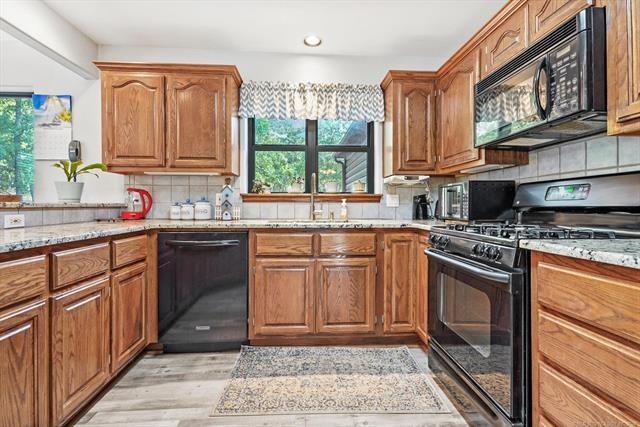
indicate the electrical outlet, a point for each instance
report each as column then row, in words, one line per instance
column 14, row 221
column 393, row 200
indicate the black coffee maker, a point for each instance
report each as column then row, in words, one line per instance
column 422, row 207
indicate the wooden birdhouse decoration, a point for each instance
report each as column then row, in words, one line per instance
column 227, row 200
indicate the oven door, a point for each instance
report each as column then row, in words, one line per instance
column 476, row 318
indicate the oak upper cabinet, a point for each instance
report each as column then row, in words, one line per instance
column 346, row 295
column 196, row 123
column 409, row 128
column 623, row 66
column 170, row 117
column 23, row 366
column 128, row 314
column 283, row 296
column 79, row 346
column 399, row 282
column 505, row 42
column 456, row 113
column 547, row 15
column 133, row 119
column 422, row 288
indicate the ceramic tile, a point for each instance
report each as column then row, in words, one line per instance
column 370, row 210
column 161, row 180
column 161, row 193
column 549, row 161
column 180, row 180
column 250, row 210
column 496, row 174
column 197, row 180
column 52, row 216
column 32, row 218
column 404, row 212
column 628, row 150
column 196, row 192
column 573, row 157
column 354, row 210
column 268, row 211
column 286, row 210
column 143, row 180
column 602, row 153
column 301, row 211
column 531, row 169
column 179, row 193
column 161, row 210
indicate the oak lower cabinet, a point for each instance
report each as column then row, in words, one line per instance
column 585, row 337
column 422, row 304
column 128, row 314
column 80, row 347
column 284, row 296
column 345, row 302
column 23, row 366
column 399, row 282
column 623, row 67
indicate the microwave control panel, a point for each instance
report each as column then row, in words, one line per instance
column 568, row 192
column 565, row 78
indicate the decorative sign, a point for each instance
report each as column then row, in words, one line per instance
column 52, row 126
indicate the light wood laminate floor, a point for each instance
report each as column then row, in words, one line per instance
column 180, row 390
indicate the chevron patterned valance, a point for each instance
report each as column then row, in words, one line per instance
column 312, row 101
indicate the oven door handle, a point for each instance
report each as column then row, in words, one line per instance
column 494, row 276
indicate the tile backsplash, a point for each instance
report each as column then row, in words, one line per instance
column 591, row 156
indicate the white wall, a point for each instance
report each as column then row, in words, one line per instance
column 273, row 66
column 24, row 69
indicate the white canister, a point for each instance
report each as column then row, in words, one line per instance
column 203, row 209
column 187, row 210
column 174, row 212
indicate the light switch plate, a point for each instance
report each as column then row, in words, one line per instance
column 14, row 221
column 393, row 200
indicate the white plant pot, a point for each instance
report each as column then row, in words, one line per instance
column 297, row 188
column 69, row 192
column 331, row 186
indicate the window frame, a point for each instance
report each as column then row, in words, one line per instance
column 312, row 151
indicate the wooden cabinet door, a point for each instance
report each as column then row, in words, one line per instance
column 546, row 15
column 283, row 296
column 79, row 346
column 623, row 66
column 456, row 112
column 399, row 282
column 196, row 121
column 505, row 42
column 23, row 367
column 422, row 288
column 415, row 146
column 133, row 119
column 346, row 295
column 128, row 314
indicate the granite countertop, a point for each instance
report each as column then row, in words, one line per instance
column 32, row 237
column 623, row 252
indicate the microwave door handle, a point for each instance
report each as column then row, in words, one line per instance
column 536, row 88
column 493, row 276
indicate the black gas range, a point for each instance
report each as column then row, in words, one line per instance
column 479, row 325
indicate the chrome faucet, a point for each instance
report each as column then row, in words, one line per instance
column 313, row 212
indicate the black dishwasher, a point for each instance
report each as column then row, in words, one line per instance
column 202, row 291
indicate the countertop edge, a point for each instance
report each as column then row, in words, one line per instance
column 620, row 252
column 18, row 239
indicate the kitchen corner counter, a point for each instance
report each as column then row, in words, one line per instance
column 622, row 252
column 32, row 237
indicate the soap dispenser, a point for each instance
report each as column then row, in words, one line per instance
column 343, row 210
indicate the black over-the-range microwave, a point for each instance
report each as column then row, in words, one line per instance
column 554, row 91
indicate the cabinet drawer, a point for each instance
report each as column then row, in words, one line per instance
column 568, row 403
column 74, row 265
column 604, row 302
column 22, row 279
column 607, row 365
column 347, row 244
column 126, row 251
column 284, row 244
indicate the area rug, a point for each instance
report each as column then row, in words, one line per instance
column 336, row 380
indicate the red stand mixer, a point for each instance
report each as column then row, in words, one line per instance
column 139, row 204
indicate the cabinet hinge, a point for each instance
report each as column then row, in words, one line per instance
column 382, row 246
column 382, row 319
column 254, row 270
column 253, row 321
column 109, row 360
column 375, row 270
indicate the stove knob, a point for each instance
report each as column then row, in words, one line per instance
column 432, row 238
column 493, row 253
column 443, row 242
column 478, row 249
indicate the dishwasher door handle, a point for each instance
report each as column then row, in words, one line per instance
column 202, row 243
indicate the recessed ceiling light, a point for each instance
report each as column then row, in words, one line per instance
column 312, row 41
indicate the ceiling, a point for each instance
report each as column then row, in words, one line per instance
column 422, row 28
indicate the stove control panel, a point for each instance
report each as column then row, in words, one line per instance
column 568, row 192
column 485, row 252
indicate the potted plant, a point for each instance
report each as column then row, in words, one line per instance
column 297, row 185
column 70, row 191
column 260, row 187
column 330, row 185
